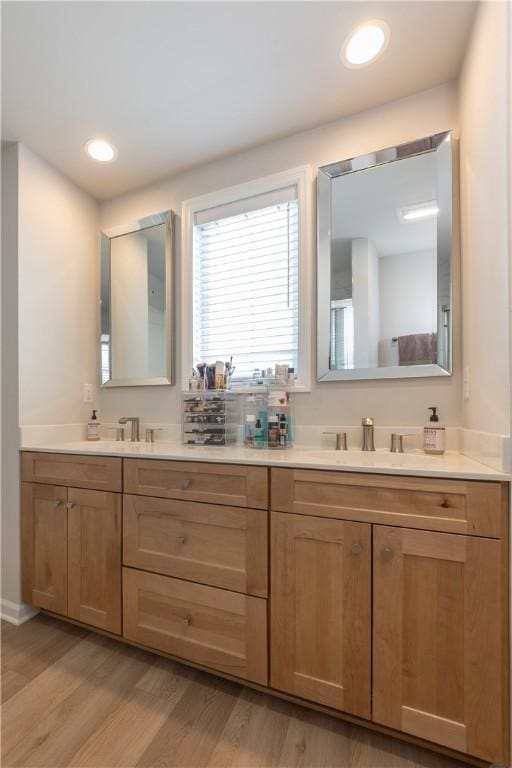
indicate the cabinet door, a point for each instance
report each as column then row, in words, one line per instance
column 320, row 610
column 45, row 546
column 439, row 639
column 94, row 572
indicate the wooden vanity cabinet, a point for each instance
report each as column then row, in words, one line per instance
column 94, row 558
column 321, row 610
column 404, row 624
column 439, row 629
column 44, row 531
column 388, row 594
column 71, row 552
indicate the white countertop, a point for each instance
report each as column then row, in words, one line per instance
column 414, row 463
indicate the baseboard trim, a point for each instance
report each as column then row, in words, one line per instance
column 16, row 613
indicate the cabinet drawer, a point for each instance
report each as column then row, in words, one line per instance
column 233, row 485
column 222, row 546
column 455, row 506
column 101, row 473
column 208, row 626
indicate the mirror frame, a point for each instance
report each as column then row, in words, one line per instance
column 167, row 218
column 444, row 145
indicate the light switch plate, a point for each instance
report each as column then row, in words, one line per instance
column 88, row 393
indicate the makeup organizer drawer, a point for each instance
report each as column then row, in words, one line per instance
column 100, row 473
column 456, row 506
column 207, row 626
column 222, row 546
column 230, row 484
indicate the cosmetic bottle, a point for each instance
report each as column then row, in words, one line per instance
column 93, row 427
column 434, row 434
column 250, row 428
column 273, row 431
column 283, row 431
column 259, row 440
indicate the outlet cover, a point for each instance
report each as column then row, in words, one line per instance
column 466, row 384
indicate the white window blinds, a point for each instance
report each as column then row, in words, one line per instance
column 246, row 258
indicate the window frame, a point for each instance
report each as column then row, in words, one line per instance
column 300, row 178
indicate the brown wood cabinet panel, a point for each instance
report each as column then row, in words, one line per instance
column 44, row 522
column 94, row 558
column 225, row 547
column 456, row 506
column 209, row 626
column 439, row 669
column 234, row 485
column 321, row 610
column 102, row 473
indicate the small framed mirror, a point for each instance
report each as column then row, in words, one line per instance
column 385, row 263
column 137, row 311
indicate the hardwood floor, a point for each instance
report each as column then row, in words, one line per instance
column 73, row 698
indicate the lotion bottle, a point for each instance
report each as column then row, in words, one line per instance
column 93, row 427
column 434, row 434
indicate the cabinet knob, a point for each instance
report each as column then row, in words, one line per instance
column 186, row 621
column 185, row 484
column 387, row 553
column 57, row 503
column 70, row 504
column 180, row 539
column 356, row 548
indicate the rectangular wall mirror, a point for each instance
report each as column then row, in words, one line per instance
column 136, row 344
column 385, row 263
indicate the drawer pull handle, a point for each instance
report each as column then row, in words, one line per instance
column 70, row 504
column 185, row 484
column 356, row 548
column 180, row 539
column 57, row 503
column 186, row 622
column 445, row 504
column 387, row 553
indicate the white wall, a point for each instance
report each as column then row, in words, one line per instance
column 365, row 301
column 59, row 294
column 408, row 294
column 10, row 496
column 486, row 209
column 392, row 402
column 50, row 321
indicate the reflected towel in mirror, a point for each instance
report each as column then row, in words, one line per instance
column 417, row 349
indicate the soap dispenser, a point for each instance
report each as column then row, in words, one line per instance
column 93, row 427
column 434, row 434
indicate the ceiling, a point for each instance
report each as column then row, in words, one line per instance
column 366, row 204
column 177, row 84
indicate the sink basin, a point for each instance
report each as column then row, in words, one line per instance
column 369, row 459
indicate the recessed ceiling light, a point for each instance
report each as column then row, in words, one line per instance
column 365, row 44
column 100, row 150
column 419, row 211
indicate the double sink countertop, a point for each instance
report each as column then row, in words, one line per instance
column 414, row 463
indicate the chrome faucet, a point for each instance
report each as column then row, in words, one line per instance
column 368, row 442
column 135, row 422
column 341, row 440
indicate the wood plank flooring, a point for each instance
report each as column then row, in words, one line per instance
column 73, row 698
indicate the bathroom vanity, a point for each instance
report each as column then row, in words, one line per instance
column 379, row 595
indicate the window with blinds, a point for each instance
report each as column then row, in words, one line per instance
column 246, row 283
column 342, row 334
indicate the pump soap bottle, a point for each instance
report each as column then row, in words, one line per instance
column 434, row 434
column 93, row 427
